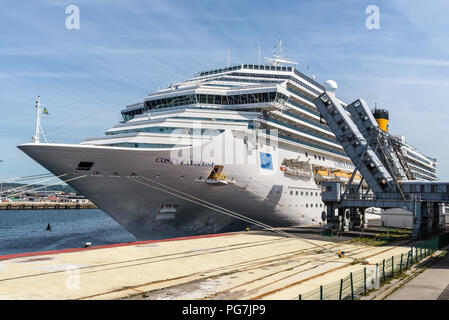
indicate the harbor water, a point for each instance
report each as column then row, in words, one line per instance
column 25, row 230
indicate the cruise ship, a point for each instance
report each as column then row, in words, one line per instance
column 230, row 148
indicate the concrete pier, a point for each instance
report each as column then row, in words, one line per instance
column 242, row 265
column 432, row 284
column 45, row 205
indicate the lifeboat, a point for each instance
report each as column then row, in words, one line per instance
column 296, row 168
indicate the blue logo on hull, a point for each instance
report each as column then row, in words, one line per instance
column 265, row 161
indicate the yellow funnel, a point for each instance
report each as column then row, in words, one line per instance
column 381, row 116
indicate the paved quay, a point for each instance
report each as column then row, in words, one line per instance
column 241, row 265
column 431, row 284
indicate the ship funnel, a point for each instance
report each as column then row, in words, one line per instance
column 381, row 116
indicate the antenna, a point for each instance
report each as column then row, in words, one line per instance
column 39, row 130
column 278, row 59
column 38, row 120
column 280, row 48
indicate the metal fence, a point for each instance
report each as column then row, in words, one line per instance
column 360, row 283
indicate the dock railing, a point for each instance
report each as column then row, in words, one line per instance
column 360, row 283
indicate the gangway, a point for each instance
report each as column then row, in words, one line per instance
column 377, row 156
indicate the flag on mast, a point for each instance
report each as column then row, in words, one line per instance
column 45, row 111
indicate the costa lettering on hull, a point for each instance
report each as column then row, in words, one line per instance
column 185, row 162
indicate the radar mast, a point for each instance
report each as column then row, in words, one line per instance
column 279, row 59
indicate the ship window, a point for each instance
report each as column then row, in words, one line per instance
column 210, row 99
column 237, row 99
column 291, row 193
column 302, row 193
column 307, row 193
column 306, row 154
column 264, row 97
column 84, row 165
column 296, row 192
column 307, row 205
column 224, row 100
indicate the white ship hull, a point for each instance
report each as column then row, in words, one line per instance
column 142, row 210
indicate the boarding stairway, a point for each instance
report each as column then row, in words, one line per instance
column 379, row 159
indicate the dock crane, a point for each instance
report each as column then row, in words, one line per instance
column 379, row 159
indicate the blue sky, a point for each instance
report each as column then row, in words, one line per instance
column 127, row 49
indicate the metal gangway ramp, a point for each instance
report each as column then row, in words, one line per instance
column 376, row 156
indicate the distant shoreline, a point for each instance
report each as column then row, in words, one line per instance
column 46, row 205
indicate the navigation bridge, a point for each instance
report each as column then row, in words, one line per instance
column 379, row 159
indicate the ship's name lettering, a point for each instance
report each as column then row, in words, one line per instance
column 185, row 162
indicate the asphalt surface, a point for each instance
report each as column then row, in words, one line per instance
column 432, row 284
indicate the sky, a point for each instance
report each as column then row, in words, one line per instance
column 124, row 50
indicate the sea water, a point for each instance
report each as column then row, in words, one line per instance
column 24, row 230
